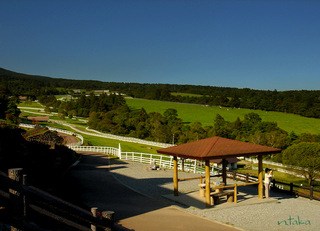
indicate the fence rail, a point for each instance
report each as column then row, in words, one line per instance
column 163, row 161
column 282, row 167
column 195, row 166
column 93, row 132
column 288, row 188
column 24, row 203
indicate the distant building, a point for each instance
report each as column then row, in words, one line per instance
column 21, row 98
column 38, row 118
column 100, row 92
column 232, row 162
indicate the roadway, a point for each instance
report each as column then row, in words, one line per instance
column 92, row 184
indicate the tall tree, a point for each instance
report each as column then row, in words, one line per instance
column 305, row 155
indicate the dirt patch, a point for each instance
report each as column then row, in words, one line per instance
column 68, row 138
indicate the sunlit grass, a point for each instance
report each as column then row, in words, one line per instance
column 185, row 94
column 30, row 104
column 278, row 176
column 191, row 113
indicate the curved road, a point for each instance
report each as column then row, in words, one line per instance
column 92, row 183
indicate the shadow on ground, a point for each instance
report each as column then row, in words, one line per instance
column 91, row 184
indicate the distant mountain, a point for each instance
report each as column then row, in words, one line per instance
column 24, row 84
column 12, row 74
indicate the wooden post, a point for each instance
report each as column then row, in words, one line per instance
column 200, row 179
column 234, row 174
column 247, row 177
column 175, row 176
column 235, row 193
column 16, row 198
column 182, row 164
column 25, row 200
column 274, row 185
column 260, row 177
column 207, row 170
column 291, row 188
column 224, row 171
column 110, row 216
column 311, row 192
column 94, row 214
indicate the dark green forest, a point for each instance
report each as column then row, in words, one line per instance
column 110, row 114
column 305, row 103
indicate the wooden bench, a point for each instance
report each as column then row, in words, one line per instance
column 215, row 197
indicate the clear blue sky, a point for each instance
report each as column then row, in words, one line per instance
column 270, row 44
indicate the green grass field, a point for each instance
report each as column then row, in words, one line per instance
column 99, row 141
column 30, row 104
column 186, row 94
column 133, row 147
column 191, row 113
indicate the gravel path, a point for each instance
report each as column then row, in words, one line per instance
column 285, row 213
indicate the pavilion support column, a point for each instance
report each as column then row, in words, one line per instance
column 260, row 177
column 224, row 171
column 207, row 181
column 175, row 176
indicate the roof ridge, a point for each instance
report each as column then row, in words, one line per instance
column 207, row 151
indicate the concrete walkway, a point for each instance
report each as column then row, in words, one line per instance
column 280, row 212
column 133, row 211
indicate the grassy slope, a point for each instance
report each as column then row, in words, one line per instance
column 30, row 104
column 99, row 141
column 206, row 115
column 186, row 94
column 132, row 147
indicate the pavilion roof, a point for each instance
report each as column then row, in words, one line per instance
column 230, row 160
column 217, row 148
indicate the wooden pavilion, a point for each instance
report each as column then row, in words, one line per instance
column 217, row 148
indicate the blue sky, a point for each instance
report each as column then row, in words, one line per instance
column 271, row 44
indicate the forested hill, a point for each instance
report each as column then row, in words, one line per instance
column 33, row 85
column 305, row 103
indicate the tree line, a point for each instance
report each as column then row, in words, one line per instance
column 110, row 113
column 305, row 103
column 82, row 106
column 9, row 110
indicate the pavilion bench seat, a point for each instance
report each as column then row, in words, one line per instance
column 215, row 197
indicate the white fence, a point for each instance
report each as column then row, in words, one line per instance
column 163, row 161
column 93, row 132
column 282, row 168
column 106, row 150
column 130, row 139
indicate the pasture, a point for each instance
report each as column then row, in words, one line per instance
column 185, row 94
column 192, row 112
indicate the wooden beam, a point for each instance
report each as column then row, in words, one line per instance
column 224, row 171
column 207, row 181
column 235, row 193
column 175, row 176
column 260, row 177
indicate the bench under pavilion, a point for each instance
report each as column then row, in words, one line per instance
column 217, row 148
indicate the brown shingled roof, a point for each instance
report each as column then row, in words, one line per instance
column 217, row 148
